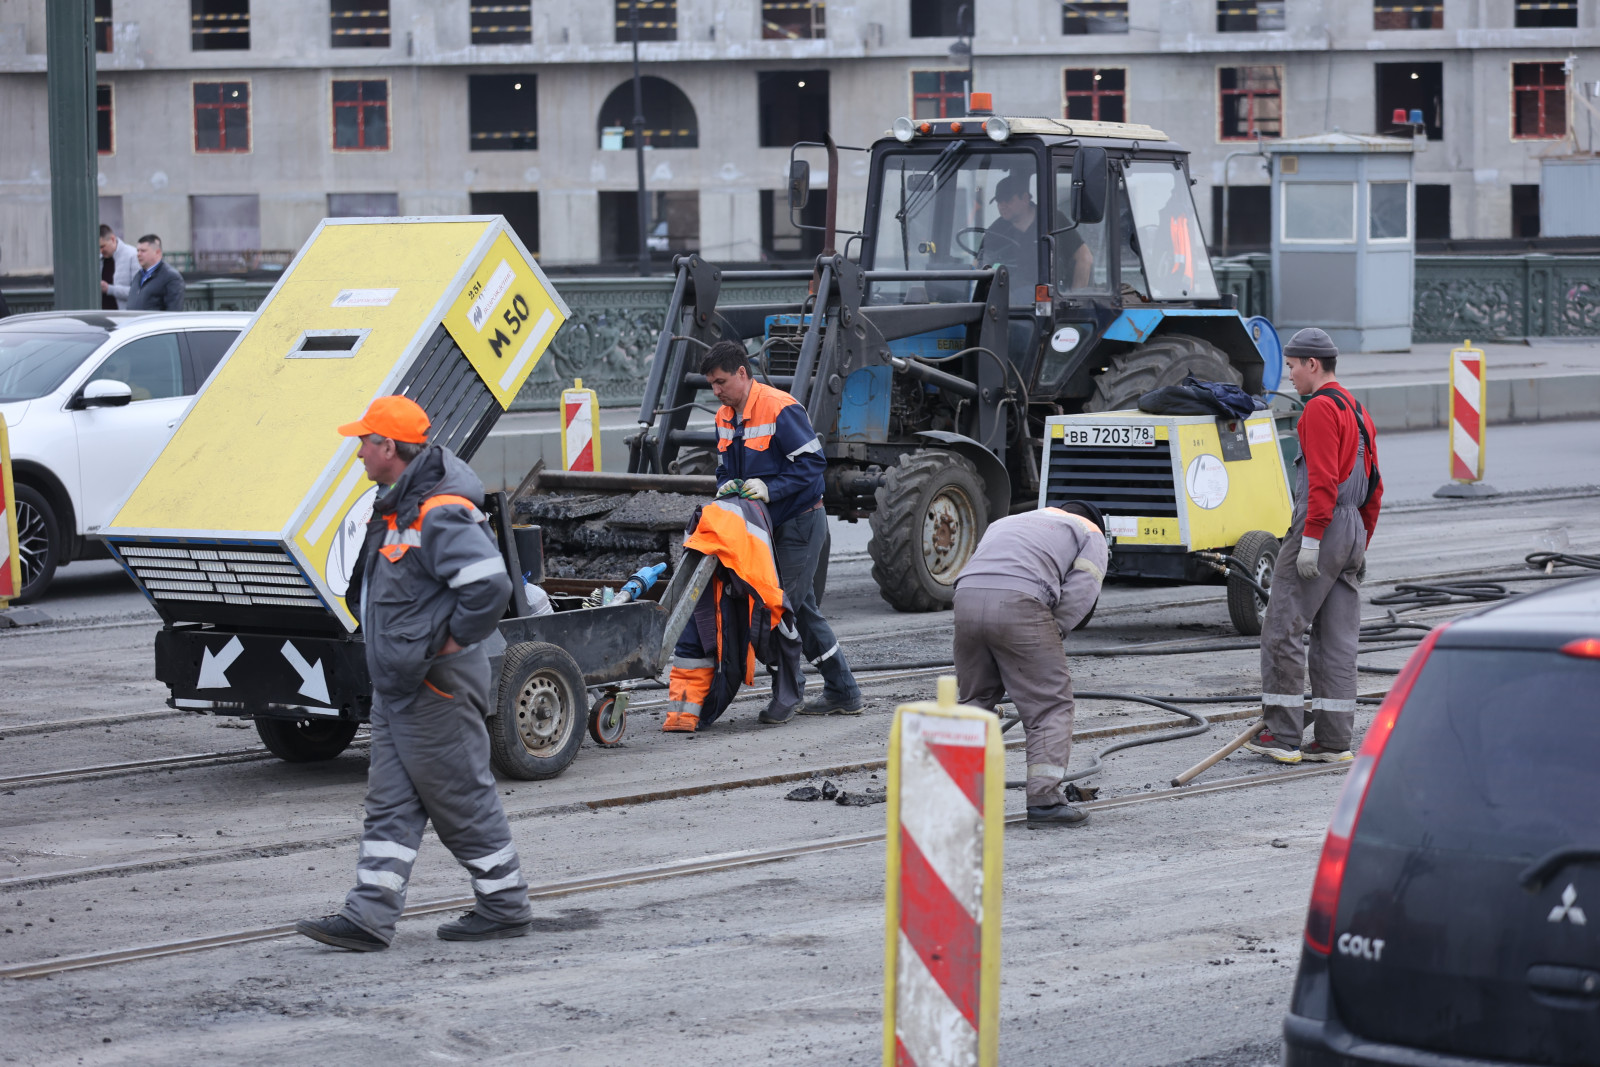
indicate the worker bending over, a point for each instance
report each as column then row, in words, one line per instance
column 1317, row 580
column 767, row 450
column 1033, row 578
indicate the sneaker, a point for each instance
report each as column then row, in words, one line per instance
column 832, row 705
column 776, row 717
column 340, row 932
column 1057, row 815
column 1267, row 745
column 474, row 927
column 680, row 722
column 1316, row 753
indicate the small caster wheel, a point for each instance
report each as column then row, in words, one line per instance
column 608, row 719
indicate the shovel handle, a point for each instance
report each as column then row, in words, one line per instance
column 1218, row 756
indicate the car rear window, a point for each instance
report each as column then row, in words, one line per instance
column 1494, row 753
column 208, row 347
column 33, row 364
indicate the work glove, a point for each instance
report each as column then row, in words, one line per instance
column 754, row 489
column 1306, row 564
column 732, row 487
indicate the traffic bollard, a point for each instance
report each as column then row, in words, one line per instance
column 10, row 555
column 945, row 852
column 580, row 419
column 1469, row 424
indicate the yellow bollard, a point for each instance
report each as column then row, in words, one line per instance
column 1469, row 423
column 580, row 428
column 10, row 556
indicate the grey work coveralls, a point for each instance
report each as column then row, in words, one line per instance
column 1032, row 579
column 1332, row 600
column 436, row 573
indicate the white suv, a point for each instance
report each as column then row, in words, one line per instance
column 89, row 398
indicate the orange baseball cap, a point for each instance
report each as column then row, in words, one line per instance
column 395, row 417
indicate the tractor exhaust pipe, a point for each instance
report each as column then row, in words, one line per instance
column 831, row 221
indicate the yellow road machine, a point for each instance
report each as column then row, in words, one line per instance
column 244, row 530
column 1187, row 498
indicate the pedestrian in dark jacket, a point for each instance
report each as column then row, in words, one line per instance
column 432, row 588
column 157, row 286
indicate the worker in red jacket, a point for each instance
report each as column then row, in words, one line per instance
column 1317, row 580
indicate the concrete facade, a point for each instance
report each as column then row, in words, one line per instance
column 1171, row 53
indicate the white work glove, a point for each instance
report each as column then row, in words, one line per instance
column 732, row 487
column 1307, row 563
column 754, row 489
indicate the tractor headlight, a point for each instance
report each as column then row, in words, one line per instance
column 904, row 130
column 997, row 128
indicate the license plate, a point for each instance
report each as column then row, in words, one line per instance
column 1092, row 436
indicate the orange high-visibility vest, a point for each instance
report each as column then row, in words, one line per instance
column 397, row 542
column 760, row 418
column 742, row 547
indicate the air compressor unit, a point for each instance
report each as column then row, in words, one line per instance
column 1187, row 498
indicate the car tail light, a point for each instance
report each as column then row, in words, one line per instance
column 1342, row 827
column 1583, row 648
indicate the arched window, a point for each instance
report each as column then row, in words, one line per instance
column 669, row 120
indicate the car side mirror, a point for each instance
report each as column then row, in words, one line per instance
column 1091, row 183
column 106, row 393
column 799, row 183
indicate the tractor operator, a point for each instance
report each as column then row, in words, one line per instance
column 1317, row 579
column 1013, row 239
column 431, row 587
column 1033, row 578
column 767, row 450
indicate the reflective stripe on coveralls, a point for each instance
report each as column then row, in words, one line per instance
column 397, row 542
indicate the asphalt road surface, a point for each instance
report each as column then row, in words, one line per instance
column 1164, row 932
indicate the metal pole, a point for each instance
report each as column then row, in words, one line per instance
column 74, row 196
column 638, row 144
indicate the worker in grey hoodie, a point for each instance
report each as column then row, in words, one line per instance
column 429, row 589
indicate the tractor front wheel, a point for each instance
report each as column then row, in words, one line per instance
column 932, row 511
column 1166, row 360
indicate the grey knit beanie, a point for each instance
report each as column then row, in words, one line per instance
column 1311, row 343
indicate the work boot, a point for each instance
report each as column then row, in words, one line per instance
column 1273, row 748
column 827, row 704
column 340, row 932
column 474, row 927
column 1062, row 814
column 1316, row 752
column 776, row 716
column 680, row 722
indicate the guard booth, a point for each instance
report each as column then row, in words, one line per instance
column 1343, row 239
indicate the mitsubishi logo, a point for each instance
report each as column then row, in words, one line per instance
column 1568, row 908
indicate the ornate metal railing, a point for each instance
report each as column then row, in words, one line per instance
column 615, row 321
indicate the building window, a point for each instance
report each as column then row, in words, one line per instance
column 219, row 24
column 359, row 23
column 1249, row 16
column 1388, row 211
column 1538, row 101
column 1319, row 212
column 1094, row 16
column 781, row 239
column 1411, row 87
column 102, row 25
column 658, row 20
column 1250, row 102
column 940, row 18
column 501, row 23
column 1249, row 221
column 103, row 129
column 361, row 115
column 793, row 20
column 1537, row 13
column 1433, row 212
column 669, row 119
column 1524, row 211
column 1097, row 95
column 674, row 224
column 521, row 211
column 502, row 112
column 222, row 116
column 227, row 232
column 363, row 205
column 1397, row 15
column 792, row 105
column 938, row 94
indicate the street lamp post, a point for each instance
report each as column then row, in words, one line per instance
column 638, row 143
column 963, row 46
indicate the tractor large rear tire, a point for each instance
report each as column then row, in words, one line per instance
column 932, row 511
column 1163, row 361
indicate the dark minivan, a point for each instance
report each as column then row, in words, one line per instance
column 1455, row 916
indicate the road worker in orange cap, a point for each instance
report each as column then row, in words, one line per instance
column 429, row 589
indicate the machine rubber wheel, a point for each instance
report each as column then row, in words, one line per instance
column 608, row 719
column 1257, row 553
column 39, row 542
column 1163, row 361
column 305, row 740
column 536, row 729
column 694, row 461
column 932, row 511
